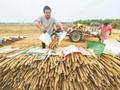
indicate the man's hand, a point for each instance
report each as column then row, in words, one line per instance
column 109, row 33
column 44, row 31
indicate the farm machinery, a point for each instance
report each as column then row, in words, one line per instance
column 76, row 32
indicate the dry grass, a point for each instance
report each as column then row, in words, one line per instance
column 25, row 30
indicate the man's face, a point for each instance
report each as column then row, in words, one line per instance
column 47, row 14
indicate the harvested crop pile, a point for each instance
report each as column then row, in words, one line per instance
column 10, row 40
column 72, row 72
column 54, row 43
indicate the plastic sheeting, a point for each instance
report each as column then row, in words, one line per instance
column 112, row 47
column 72, row 48
column 46, row 37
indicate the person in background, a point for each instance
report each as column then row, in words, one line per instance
column 106, row 30
column 46, row 23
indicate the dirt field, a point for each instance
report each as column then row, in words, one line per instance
column 32, row 34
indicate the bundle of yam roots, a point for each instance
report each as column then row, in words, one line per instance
column 72, row 72
column 54, row 42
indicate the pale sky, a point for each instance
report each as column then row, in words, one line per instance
column 62, row 10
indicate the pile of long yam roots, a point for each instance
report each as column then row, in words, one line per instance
column 73, row 72
column 54, row 42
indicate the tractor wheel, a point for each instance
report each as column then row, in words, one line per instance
column 76, row 36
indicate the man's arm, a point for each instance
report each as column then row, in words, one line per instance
column 110, row 29
column 61, row 26
column 38, row 25
column 99, row 27
column 58, row 24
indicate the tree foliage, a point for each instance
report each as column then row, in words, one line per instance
column 114, row 22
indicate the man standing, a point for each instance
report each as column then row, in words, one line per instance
column 46, row 23
column 106, row 30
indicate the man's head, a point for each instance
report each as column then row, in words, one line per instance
column 47, row 12
column 106, row 23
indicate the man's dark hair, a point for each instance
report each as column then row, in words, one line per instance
column 46, row 8
column 106, row 23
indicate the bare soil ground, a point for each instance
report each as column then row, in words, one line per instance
column 31, row 33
